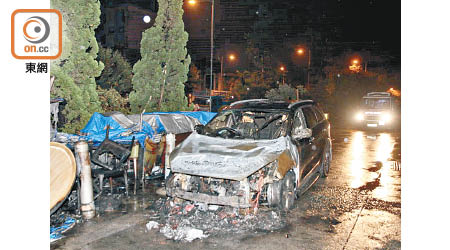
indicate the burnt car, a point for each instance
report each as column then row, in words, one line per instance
column 255, row 152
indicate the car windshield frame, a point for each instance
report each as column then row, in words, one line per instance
column 376, row 103
column 250, row 123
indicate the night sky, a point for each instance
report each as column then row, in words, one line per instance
column 358, row 22
column 373, row 20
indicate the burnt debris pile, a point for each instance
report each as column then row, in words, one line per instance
column 187, row 220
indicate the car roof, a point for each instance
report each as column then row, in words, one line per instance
column 268, row 104
column 298, row 104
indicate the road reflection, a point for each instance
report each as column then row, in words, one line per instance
column 368, row 156
column 384, row 146
column 358, row 159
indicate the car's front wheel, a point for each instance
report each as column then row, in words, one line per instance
column 326, row 161
column 288, row 191
column 274, row 194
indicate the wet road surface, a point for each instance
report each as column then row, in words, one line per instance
column 358, row 206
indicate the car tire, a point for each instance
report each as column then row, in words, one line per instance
column 288, row 191
column 325, row 162
column 274, row 194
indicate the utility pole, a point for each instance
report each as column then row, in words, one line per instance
column 309, row 66
column 221, row 73
column 212, row 53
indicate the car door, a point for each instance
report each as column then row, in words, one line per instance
column 304, row 146
column 322, row 130
column 314, row 141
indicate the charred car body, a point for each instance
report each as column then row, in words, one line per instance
column 254, row 152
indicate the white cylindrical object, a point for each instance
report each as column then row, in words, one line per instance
column 170, row 145
column 86, row 191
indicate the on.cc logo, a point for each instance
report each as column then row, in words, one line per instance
column 36, row 34
column 36, row 29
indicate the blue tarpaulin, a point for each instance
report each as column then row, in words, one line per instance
column 56, row 232
column 95, row 129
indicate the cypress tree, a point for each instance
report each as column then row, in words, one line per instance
column 76, row 69
column 117, row 71
column 160, row 74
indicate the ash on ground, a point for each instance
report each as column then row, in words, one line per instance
column 187, row 220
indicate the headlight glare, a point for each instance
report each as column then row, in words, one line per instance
column 387, row 117
column 359, row 116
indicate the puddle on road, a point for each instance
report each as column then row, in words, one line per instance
column 109, row 205
column 377, row 166
column 370, row 186
column 369, row 163
column 137, row 200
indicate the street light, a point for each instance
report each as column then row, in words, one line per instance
column 301, row 51
column 231, row 57
column 146, row 19
column 193, row 2
column 356, row 67
column 282, row 69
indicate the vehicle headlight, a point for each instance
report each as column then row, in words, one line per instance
column 359, row 116
column 386, row 117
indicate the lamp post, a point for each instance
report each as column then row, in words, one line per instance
column 212, row 52
column 192, row 2
column 301, row 51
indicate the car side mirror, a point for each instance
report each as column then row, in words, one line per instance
column 302, row 133
column 199, row 128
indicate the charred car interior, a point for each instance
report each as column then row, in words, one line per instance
column 255, row 152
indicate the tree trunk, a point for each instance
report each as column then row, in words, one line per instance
column 162, row 88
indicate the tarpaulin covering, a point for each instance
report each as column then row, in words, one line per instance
column 95, row 130
column 233, row 159
column 56, row 232
column 174, row 122
column 124, row 127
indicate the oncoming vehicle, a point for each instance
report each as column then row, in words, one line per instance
column 255, row 152
column 377, row 109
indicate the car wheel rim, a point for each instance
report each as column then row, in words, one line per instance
column 327, row 162
column 288, row 192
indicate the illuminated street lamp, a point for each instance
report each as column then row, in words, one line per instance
column 301, row 51
column 282, row 69
column 231, row 57
column 193, row 2
column 356, row 66
column 146, row 19
column 394, row 92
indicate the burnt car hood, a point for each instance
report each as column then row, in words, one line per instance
column 233, row 159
